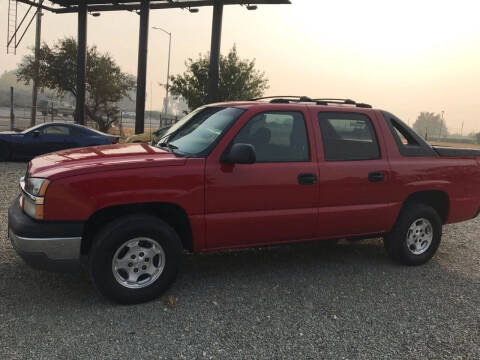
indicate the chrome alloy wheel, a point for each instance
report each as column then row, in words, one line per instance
column 419, row 236
column 138, row 262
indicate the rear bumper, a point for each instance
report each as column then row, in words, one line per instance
column 45, row 245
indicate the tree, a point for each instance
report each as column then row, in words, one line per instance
column 238, row 80
column 430, row 125
column 106, row 84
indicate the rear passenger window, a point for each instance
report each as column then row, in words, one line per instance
column 276, row 136
column 348, row 137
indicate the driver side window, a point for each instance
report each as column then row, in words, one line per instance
column 276, row 136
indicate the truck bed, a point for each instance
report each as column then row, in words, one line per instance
column 455, row 152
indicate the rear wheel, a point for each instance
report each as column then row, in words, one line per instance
column 416, row 235
column 135, row 259
column 4, row 152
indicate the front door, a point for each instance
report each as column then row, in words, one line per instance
column 272, row 200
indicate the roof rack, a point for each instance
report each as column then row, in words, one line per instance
column 284, row 99
column 326, row 101
column 323, row 101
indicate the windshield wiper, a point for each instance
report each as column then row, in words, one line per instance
column 167, row 145
column 171, row 148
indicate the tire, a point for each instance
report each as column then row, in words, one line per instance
column 110, row 269
column 4, row 152
column 416, row 235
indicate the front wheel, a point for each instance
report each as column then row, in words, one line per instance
column 135, row 259
column 416, row 235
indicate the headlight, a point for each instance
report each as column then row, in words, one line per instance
column 36, row 186
column 33, row 197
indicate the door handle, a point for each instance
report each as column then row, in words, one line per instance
column 376, row 176
column 307, row 179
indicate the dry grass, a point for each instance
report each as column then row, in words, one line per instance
column 126, row 131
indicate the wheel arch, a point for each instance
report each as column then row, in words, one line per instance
column 172, row 214
column 437, row 199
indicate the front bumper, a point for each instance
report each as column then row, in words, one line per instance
column 45, row 245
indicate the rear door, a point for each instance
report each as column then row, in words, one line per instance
column 355, row 179
column 272, row 200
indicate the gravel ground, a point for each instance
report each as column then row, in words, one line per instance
column 303, row 301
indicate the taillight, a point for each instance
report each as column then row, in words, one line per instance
column 114, row 140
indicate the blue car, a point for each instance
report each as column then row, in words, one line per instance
column 49, row 137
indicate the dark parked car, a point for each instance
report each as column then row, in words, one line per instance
column 46, row 138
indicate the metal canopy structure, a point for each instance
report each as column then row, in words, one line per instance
column 143, row 7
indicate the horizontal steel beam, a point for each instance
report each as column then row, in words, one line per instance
column 170, row 5
column 35, row 4
column 67, row 3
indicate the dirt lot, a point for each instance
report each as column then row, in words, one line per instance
column 305, row 301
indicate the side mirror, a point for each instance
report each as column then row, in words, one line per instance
column 241, row 154
column 36, row 133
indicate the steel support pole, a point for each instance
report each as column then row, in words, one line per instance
column 37, row 65
column 142, row 67
column 168, row 73
column 215, row 52
column 81, row 62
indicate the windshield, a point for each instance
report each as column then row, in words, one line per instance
column 196, row 133
column 31, row 129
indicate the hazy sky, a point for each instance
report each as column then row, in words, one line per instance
column 404, row 56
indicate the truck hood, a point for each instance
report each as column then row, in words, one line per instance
column 100, row 158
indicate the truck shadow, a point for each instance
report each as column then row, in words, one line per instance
column 248, row 271
column 300, row 256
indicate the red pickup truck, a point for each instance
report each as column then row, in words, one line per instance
column 240, row 174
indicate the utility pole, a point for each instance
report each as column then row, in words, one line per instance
column 168, row 72
column 167, row 86
column 440, row 133
column 37, row 65
column 150, row 114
